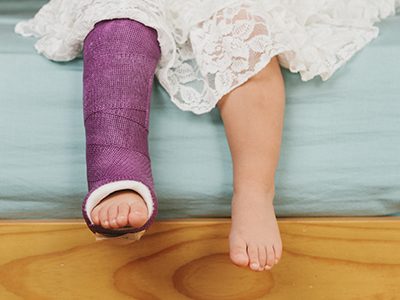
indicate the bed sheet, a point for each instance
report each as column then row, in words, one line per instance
column 339, row 153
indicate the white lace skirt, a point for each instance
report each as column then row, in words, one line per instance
column 209, row 47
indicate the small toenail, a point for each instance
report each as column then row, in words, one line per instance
column 121, row 217
column 254, row 266
column 106, row 222
column 114, row 221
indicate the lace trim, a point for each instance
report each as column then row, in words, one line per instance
column 209, row 47
column 237, row 41
column 229, row 48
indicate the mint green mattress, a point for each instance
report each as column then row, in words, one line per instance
column 340, row 151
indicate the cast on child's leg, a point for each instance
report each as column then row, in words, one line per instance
column 120, row 57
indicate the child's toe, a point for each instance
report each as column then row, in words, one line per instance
column 95, row 216
column 123, row 211
column 278, row 252
column 270, row 256
column 103, row 215
column 252, row 250
column 112, row 215
column 262, row 257
column 237, row 251
column 137, row 215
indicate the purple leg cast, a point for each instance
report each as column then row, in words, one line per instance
column 119, row 61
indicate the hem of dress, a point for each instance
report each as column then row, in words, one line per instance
column 324, row 74
column 170, row 57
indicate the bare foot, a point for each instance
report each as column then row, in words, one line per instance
column 254, row 239
column 119, row 209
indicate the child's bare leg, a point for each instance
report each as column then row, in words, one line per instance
column 253, row 118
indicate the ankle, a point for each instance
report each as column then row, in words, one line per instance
column 254, row 188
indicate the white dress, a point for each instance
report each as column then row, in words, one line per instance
column 209, row 47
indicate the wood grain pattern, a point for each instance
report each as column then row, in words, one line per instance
column 324, row 258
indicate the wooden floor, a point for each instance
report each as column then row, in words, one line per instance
column 323, row 258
